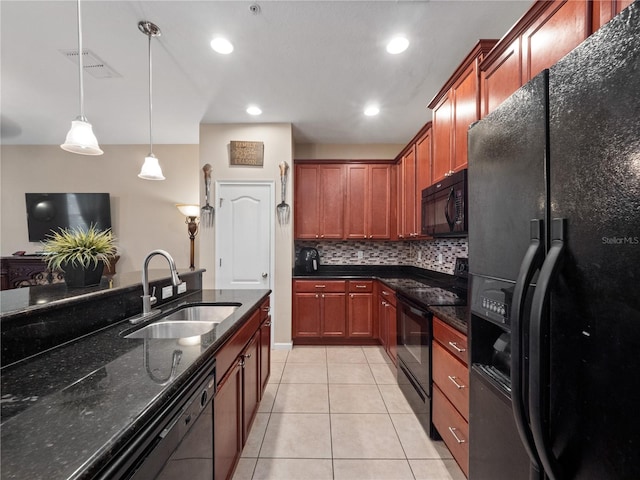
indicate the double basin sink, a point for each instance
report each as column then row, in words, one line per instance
column 186, row 321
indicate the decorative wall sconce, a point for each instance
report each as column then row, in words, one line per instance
column 191, row 212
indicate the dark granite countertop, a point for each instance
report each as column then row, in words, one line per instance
column 19, row 301
column 67, row 411
column 425, row 287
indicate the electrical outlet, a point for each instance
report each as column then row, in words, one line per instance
column 360, row 254
column 167, row 292
column 182, row 288
column 419, row 255
column 440, row 261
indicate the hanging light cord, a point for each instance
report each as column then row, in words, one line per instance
column 80, row 63
column 150, row 102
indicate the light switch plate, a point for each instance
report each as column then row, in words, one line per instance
column 167, row 292
column 182, row 288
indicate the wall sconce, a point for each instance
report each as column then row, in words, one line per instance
column 191, row 212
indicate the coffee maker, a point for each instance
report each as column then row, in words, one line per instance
column 307, row 260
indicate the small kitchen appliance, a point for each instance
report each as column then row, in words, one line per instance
column 307, row 260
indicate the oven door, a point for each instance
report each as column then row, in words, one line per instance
column 414, row 342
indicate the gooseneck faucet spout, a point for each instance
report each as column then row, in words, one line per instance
column 149, row 299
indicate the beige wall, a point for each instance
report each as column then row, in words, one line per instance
column 278, row 145
column 379, row 151
column 143, row 212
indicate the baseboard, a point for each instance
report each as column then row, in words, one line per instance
column 283, row 346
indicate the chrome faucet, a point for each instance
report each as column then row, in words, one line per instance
column 149, row 300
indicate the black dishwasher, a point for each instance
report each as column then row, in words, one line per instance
column 184, row 442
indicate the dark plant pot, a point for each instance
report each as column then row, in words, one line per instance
column 77, row 276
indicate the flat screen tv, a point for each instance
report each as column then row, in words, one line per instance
column 52, row 211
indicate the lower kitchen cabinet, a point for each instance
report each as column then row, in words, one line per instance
column 319, row 309
column 360, row 309
column 265, row 346
column 227, row 423
column 450, row 375
column 244, row 364
column 387, row 323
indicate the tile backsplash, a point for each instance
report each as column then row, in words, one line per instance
column 438, row 254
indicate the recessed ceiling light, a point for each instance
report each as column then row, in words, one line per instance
column 371, row 111
column 222, row 45
column 397, row 45
column 254, row 110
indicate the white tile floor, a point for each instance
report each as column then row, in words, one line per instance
column 337, row 413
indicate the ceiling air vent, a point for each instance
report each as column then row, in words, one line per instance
column 91, row 63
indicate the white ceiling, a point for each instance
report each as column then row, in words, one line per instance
column 315, row 64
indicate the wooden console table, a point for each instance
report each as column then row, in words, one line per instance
column 29, row 270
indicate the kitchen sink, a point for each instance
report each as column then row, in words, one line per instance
column 175, row 329
column 189, row 321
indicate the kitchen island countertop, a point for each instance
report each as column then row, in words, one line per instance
column 68, row 411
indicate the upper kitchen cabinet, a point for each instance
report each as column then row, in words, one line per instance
column 413, row 174
column 368, row 212
column 455, row 107
column 408, row 224
column 319, row 201
column 545, row 34
column 605, row 10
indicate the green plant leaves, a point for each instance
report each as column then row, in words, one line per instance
column 79, row 247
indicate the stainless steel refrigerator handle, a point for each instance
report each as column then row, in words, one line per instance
column 539, row 349
column 530, row 263
column 450, row 222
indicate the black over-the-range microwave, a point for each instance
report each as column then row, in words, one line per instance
column 444, row 207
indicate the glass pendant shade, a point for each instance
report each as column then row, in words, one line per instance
column 81, row 139
column 151, row 169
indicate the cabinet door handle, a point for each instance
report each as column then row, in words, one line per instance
column 317, row 296
column 453, row 432
column 453, row 380
column 361, row 286
column 320, row 286
column 267, row 324
column 266, row 309
column 241, row 362
column 248, row 355
column 385, row 293
column 457, row 348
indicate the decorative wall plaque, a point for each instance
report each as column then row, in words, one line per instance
column 246, row 153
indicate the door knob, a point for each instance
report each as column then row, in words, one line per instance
column 264, row 274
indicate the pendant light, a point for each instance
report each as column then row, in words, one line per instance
column 80, row 138
column 151, row 168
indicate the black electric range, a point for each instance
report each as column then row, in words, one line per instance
column 415, row 332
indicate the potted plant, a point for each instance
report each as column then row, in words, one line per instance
column 80, row 253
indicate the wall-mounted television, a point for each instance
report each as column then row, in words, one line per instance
column 52, row 211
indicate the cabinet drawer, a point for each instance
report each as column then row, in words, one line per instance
column 453, row 429
column 388, row 294
column 365, row 286
column 451, row 339
column 452, row 377
column 313, row 286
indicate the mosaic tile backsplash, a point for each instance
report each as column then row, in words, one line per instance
column 438, row 254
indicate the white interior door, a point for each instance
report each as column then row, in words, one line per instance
column 243, row 230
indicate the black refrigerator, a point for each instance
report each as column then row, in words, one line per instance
column 554, row 258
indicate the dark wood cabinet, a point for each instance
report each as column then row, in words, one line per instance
column 546, row 33
column 450, row 374
column 243, row 364
column 319, row 201
column 319, row 309
column 408, row 224
column 227, row 425
column 251, row 386
column 265, row 346
column 360, row 316
column 423, row 167
column 455, row 107
column 387, row 323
